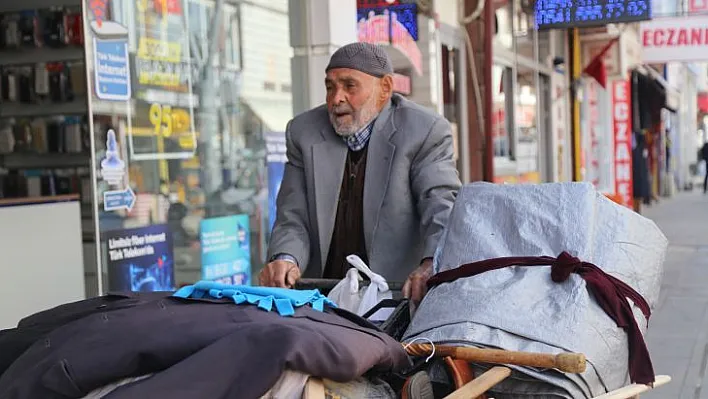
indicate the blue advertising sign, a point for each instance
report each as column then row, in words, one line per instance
column 584, row 13
column 111, row 61
column 226, row 249
column 275, row 159
column 119, row 199
column 140, row 260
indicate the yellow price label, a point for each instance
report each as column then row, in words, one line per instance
column 161, row 119
column 180, row 120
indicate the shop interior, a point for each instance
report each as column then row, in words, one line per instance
column 178, row 146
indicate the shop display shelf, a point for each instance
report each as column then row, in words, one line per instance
column 18, row 110
column 16, row 6
column 25, row 160
column 30, row 56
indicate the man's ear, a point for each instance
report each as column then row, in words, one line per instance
column 386, row 89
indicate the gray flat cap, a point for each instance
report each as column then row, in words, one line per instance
column 364, row 57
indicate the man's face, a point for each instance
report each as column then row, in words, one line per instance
column 353, row 99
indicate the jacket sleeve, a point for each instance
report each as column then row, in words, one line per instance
column 434, row 183
column 290, row 233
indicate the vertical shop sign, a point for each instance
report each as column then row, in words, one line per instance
column 622, row 123
column 226, row 249
column 276, row 158
column 593, row 120
column 141, row 259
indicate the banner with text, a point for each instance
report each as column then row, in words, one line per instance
column 622, row 127
column 678, row 39
column 140, row 260
column 226, row 249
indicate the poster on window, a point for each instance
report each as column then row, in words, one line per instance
column 141, row 259
column 622, row 129
column 226, row 249
column 162, row 126
column 276, row 158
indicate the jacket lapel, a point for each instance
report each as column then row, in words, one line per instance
column 378, row 169
column 328, row 158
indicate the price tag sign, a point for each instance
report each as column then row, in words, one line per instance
column 155, row 125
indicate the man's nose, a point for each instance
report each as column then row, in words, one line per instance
column 339, row 97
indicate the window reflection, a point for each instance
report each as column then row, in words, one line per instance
column 194, row 131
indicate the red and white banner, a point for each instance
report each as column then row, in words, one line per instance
column 697, row 6
column 675, row 39
column 622, row 129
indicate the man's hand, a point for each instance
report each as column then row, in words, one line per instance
column 415, row 287
column 279, row 273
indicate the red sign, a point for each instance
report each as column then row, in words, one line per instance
column 703, row 103
column 697, row 6
column 173, row 7
column 98, row 8
column 376, row 3
column 376, row 29
column 594, row 119
column 622, row 128
column 402, row 84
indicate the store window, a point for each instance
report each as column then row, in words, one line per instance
column 503, row 111
column 189, row 144
column 504, row 32
column 545, row 38
column 526, row 116
column 522, row 99
column 524, row 32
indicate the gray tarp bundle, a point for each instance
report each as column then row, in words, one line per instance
column 520, row 308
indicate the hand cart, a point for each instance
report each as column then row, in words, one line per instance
column 458, row 358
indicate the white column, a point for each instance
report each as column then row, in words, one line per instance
column 317, row 29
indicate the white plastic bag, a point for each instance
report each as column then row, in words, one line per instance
column 349, row 296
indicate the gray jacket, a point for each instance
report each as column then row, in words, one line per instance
column 410, row 187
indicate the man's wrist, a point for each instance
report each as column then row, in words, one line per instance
column 285, row 257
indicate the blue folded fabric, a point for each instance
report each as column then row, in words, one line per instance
column 285, row 300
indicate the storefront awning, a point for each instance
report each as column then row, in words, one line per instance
column 274, row 114
column 670, row 97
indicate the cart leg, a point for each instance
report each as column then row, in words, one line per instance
column 633, row 391
column 481, row 384
column 314, row 389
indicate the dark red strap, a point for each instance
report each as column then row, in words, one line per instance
column 609, row 292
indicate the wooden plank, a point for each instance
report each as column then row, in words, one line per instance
column 481, row 384
column 634, row 390
column 314, row 389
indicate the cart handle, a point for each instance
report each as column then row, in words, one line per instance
column 566, row 362
column 328, row 284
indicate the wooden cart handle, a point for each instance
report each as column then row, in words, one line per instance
column 566, row 362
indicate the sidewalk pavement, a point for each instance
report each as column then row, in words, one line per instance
column 678, row 329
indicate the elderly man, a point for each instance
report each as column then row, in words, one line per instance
column 370, row 174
